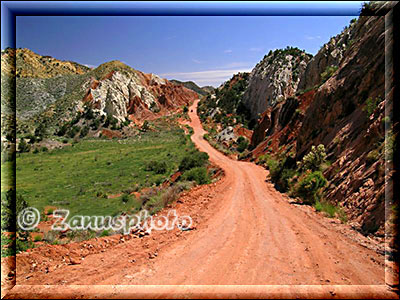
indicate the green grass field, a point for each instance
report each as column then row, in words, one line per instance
column 81, row 177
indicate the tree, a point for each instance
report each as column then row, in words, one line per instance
column 23, row 146
column 145, row 126
column 40, row 132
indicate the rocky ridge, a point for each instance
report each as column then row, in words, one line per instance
column 274, row 78
column 52, row 92
column 349, row 107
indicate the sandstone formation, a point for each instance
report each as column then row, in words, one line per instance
column 274, row 78
column 121, row 94
column 345, row 113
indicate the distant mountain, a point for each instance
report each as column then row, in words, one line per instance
column 194, row 87
column 208, row 89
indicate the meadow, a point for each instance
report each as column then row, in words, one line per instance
column 97, row 176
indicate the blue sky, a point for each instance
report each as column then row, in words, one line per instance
column 207, row 50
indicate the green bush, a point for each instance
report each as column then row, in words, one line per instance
column 145, row 126
column 192, row 160
column 73, row 131
column 44, row 149
column 280, row 173
column 23, row 146
column 63, row 130
column 372, row 156
column 309, row 186
column 84, row 131
column 328, row 73
column 371, row 104
column 314, row 159
column 197, row 174
column 331, row 210
column 37, row 238
column 23, row 245
column 243, row 143
column 105, row 233
column 158, row 167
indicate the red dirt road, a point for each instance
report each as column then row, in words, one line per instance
column 246, row 233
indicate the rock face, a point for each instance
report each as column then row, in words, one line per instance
column 274, row 78
column 331, row 54
column 121, row 94
column 227, row 134
column 349, row 110
column 345, row 113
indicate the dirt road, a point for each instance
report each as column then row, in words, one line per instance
column 246, row 233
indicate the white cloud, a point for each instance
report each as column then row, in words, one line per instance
column 312, row 37
column 209, row 77
column 167, row 38
column 255, row 49
column 197, row 61
column 228, row 51
column 90, row 66
column 238, row 64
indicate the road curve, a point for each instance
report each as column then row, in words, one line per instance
column 256, row 237
column 250, row 235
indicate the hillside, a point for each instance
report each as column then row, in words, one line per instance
column 335, row 99
column 26, row 63
column 51, row 93
column 194, row 87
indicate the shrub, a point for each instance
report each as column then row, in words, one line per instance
column 145, row 126
column 110, row 120
column 36, row 150
column 185, row 109
column 44, row 149
column 40, row 132
column 331, row 210
column 371, row 104
column 23, row 146
column 372, row 156
column 197, row 174
column 158, row 167
column 243, row 143
column 170, row 195
column 89, row 114
column 328, row 73
column 314, row 159
column 147, row 195
column 192, row 160
column 96, row 123
column 262, row 160
column 22, row 245
column 73, row 131
column 63, row 130
column 105, row 233
column 244, row 155
column 309, row 186
column 84, row 131
column 37, row 238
